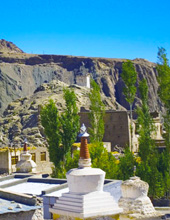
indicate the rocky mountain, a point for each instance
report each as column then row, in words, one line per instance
column 9, row 47
column 21, row 74
column 28, row 80
column 22, row 117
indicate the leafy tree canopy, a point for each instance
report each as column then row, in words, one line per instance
column 129, row 76
column 50, row 120
column 163, row 69
column 61, row 131
column 96, row 114
column 145, row 124
column 69, row 121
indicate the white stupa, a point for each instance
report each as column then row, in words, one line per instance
column 135, row 202
column 26, row 164
column 86, row 198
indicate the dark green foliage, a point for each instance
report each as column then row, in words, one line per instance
column 103, row 160
column 51, row 123
column 129, row 76
column 149, row 172
column 96, row 114
column 163, row 69
column 61, row 131
column 69, row 122
column 145, row 124
column 126, row 165
column 100, row 159
column 153, row 168
column 167, row 128
column 163, row 167
column 72, row 162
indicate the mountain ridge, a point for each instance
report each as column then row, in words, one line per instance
column 9, row 47
column 21, row 74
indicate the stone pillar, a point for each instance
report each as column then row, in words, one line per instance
column 86, row 198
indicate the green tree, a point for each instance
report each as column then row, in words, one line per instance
column 69, row 122
column 163, row 69
column 126, row 165
column 145, row 124
column 104, row 160
column 51, row 122
column 61, row 131
column 129, row 76
column 163, row 167
column 148, row 169
column 96, row 114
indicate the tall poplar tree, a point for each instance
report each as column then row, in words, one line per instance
column 163, row 69
column 145, row 124
column 148, row 169
column 129, row 76
column 61, row 131
column 96, row 114
column 69, row 121
column 50, row 120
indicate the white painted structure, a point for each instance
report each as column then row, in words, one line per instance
column 26, row 165
column 83, row 80
column 86, row 197
column 135, row 202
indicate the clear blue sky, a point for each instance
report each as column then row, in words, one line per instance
column 99, row 28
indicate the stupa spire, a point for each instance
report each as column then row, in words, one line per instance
column 25, row 145
column 84, row 160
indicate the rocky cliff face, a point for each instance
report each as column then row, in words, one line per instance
column 21, row 74
column 28, row 81
column 22, row 117
column 9, row 47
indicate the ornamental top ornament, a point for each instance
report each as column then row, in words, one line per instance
column 83, row 131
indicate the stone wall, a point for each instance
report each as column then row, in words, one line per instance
column 4, row 162
column 42, row 166
column 116, row 127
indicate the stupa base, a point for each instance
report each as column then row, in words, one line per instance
column 89, row 205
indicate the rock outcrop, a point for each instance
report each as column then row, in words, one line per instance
column 27, row 81
column 21, row 74
column 9, row 47
column 22, row 117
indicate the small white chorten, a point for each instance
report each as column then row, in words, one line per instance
column 86, row 197
column 26, row 164
column 135, row 202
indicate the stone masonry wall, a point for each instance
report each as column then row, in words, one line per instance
column 116, row 127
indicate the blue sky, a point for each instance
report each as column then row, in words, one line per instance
column 117, row 29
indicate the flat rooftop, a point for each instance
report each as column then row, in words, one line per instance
column 13, row 207
column 9, row 181
column 31, row 188
column 30, row 184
